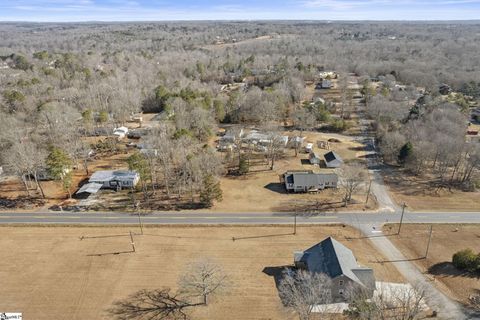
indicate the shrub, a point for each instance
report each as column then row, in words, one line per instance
column 466, row 260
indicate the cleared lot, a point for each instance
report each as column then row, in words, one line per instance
column 446, row 240
column 49, row 273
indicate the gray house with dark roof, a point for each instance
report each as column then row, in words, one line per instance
column 337, row 262
column 332, row 160
column 308, row 181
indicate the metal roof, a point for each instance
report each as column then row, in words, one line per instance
column 108, row 175
column 331, row 156
column 91, row 187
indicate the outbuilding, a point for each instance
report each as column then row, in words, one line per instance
column 333, row 160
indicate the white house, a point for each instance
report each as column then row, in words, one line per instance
column 120, row 132
column 115, row 179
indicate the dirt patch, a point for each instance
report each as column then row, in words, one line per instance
column 446, row 240
column 50, row 273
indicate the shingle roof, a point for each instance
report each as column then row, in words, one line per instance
column 332, row 258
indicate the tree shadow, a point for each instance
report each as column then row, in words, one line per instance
column 278, row 274
column 276, row 187
column 447, row 269
column 309, row 208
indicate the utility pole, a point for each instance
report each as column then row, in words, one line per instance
column 131, row 242
column 429, row 240
column 140, row 221
column 401, row 218
column 295, row 220
column 368, row 192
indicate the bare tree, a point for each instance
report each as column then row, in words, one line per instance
column 351, row 178
column 202, row 278
column 403, row 302
column 301, row 291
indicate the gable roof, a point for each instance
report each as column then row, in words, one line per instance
column 109, row 175
column 334, row 259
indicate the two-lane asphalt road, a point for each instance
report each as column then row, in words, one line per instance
column 352, row 218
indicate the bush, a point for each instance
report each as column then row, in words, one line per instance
column 466, row 260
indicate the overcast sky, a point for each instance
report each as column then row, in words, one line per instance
column 151, row 10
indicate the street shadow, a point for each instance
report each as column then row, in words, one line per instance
column 276, row 187
column 447, row 269
column 398, row 260
column 264, row 236
column 184, row 237
column 106, row 236
column 109, row 253
column 372, row 236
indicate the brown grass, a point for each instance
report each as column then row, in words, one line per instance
column 421, row 193
column 49, row 273
column 446, row 240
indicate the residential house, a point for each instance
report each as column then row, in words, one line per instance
column 265, row 139
column 115, row 179
column 326, row 84
column 333, row 160
column 314, row 158
column 308, row 181
column 333, row 259
column 120, row 132
column 296, row 142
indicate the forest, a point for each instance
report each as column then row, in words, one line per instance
column 61, row 83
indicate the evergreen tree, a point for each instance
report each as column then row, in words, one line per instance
column 211, row 191
column 243, row 166
column 59, row 167
column 405, row 152
column 138, row 163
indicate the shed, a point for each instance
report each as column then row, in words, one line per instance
column 333, row 160
column 314, row 158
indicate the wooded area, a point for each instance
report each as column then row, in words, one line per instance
column 63, row 83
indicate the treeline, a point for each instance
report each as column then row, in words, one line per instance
column 425, row 133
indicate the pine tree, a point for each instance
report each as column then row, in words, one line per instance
column 138, row 163
column 59, row 167
column 211, row 191
column 243, row 166
column 405, row 152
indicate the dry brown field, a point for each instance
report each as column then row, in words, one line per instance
column 52, row 273
column 446, row 240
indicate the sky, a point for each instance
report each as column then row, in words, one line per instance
column 162, row 10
